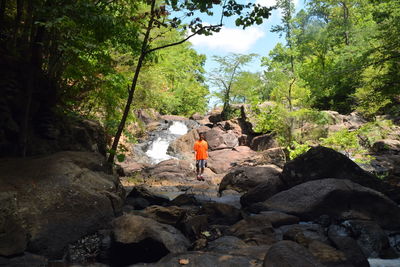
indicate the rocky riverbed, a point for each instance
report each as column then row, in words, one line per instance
column 254, row 209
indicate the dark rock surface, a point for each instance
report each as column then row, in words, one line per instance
column 263, row 191
column 290, row 254
column 242, row 179
column 338, row 198
column 140, row 197
column 134, row 229
column 263, row 142
column 321, row 162
column 59, row 198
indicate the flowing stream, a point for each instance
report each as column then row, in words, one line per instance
column 155, row 149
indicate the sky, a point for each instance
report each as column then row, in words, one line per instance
column 231, row 39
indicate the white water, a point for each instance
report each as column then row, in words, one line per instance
column 157, row 151
column 178, row 128
column 384, row 263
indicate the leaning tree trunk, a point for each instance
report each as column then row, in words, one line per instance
column 143, row 54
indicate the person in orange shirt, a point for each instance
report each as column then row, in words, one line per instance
column 200, row 149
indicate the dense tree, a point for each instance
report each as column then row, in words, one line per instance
column 225, row 76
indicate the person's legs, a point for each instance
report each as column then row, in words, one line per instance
column 198, row 169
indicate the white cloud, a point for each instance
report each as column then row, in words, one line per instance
column 233, row 40
column 269, row 3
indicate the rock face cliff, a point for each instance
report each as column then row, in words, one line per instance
column 55, row 184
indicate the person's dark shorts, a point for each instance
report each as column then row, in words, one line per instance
column 202, row 163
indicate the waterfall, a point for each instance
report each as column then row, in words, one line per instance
column 157, row 148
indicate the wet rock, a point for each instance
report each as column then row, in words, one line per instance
column 263, row 142
column 255, row 230
column 133, row 229
column 332, row 164
column 263, row 191
column 337, row 198
column 60, row 198
column 243, row 179
column 289, row 254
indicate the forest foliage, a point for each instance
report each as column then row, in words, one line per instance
column 340, row 55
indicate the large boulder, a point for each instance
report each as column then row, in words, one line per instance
column 172, row 215
column 139, row 239
column 263, row 142
column 321, row 162
column 243, row 179
column 290, row 254
column 338, row 198
column 171, row 170
column 372, row 240
column 256, row 230
column 56, row 199
column 221, row 213
column 386, row 146
column 141, row 197
column 220, row 161
column 219, row 139
column 133, row 229
column 263, row 191
column 351, row 250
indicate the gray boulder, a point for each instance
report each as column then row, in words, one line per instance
column 289, row 254
column 243, row 179
column 56, row 200
column 263, row 191
column 321, row 162
column 338, row 198
column 134, row 229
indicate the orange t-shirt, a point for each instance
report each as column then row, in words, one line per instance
column 201, row 148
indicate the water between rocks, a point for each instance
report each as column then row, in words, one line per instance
column 157, row 149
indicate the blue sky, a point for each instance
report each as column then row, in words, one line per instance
column 231, row 39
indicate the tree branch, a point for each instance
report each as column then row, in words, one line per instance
column 181, row 41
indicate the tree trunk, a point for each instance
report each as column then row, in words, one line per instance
column 346, row 22
column 2, row 11
column 143, row 54
column 17, row 21
column 28, row 22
